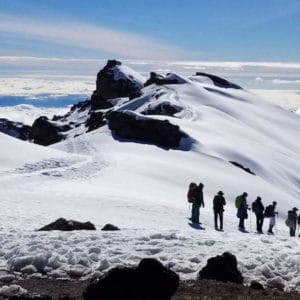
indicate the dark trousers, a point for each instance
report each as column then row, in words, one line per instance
column 195, row 212
column 292, row 231
column 242, row 223
column 259, row 222
column 220, row 215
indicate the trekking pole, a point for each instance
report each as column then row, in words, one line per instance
column 276, row 221
column 250, row 220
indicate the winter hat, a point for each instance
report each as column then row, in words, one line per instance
column 295, row 208
column 220, row 193
column 274, row 203
column 245, row 194
column 258, row 198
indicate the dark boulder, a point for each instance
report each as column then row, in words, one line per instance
column 256, row 285
column 138, row 128
column 163, row 109
column 68, row 225
column 44, row 132
column 112, row 83
column 110, row 227
column 220, row 82
column 222, row 268
column 15, row 129
column 149, row 281
column 242, row 167
column 95, row 120
column 155, row 280
column 160, row 80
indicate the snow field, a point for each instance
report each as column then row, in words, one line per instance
column 142, row 189
column 90, row 254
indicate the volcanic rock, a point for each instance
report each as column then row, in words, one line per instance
column 15, row 129
column 222, row 268
column 68, row 225
column 132, row 126
column 149, row 281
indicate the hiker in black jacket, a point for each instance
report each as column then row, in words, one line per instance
column 258, row 209
column 218, row 205
column 291, row 221
column 271, row 213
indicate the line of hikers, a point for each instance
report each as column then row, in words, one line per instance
column 195, row 196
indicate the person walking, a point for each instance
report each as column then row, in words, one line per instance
column 241, row 205
column 218, row 206
column 199, row 201
column 291, row 221
column 258, row 208
column 270, row 213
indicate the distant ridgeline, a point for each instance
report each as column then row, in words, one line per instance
column 126, row 102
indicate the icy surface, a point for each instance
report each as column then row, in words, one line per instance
column 142, row 189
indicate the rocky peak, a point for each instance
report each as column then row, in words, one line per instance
column 115, row 81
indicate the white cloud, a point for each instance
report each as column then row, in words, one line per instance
column 119, row 43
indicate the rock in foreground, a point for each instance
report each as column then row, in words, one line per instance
column 222, row 268
column 149, row 281
column 68, row 225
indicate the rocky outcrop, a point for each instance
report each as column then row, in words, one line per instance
column 242, row 167
column 218, row 81
column 149, row 281
column 110, row 227
column 114, row 82
column 15, row 129
column 68, row 225
column 95, row 120
column 162, row 109
column 135, row 127
column 44, row 132
column 161, row 80
column 222, row 268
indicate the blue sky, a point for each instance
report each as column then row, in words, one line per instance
column 235, row 30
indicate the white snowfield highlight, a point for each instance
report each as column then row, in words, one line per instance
column 142, row 189
column 26, row 114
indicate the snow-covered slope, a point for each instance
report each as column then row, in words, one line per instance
column 142, row 188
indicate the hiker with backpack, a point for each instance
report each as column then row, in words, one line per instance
column 192, row 193
column 299, row 223
column 258, row 209
column 218, row 206
column 195, row 196
column 270, row 213
column 291, row 221
column 242, row 206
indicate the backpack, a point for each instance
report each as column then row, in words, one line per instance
column 254, row 207
column 192, row 192
column 288, row 222
column 268, row 211
column 238, row 201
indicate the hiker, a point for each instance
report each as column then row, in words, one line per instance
column 258, row 209
column 199, row 201
column 192, row 193
column 241, row 205
column 291, row 221
column 270, row 213
column 218, row 205
column 299, row 223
